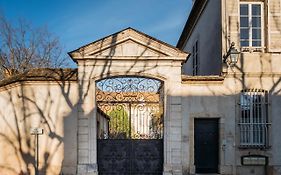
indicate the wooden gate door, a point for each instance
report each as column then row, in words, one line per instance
column 130, row 126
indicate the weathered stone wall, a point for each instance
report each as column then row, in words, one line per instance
column 51, row 106
column 221, row 100
column 256, row 69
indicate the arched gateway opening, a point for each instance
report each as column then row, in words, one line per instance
column 130, row 125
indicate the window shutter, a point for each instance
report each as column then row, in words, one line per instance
column 274, row 25
column 233, row 21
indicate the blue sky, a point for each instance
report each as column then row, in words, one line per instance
column 78, row 22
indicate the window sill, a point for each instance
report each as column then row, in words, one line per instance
column 247, row 147
column 252, row 49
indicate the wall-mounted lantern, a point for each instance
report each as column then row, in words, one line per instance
column 232, row 55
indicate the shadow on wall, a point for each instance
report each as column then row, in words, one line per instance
column 55, row 104
column 52, row 102
column 41, row 104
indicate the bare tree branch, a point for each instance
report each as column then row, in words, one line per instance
column 23, row 48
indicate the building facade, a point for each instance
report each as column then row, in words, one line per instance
column 255, row 28
column 137, row 105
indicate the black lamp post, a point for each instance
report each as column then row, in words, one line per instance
column 36, row 132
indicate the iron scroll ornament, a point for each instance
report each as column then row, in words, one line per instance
column 133, row 107
column 128, row 89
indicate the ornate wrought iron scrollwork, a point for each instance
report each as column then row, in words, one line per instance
column 129, row 89
column 133, row 107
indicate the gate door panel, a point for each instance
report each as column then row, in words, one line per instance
column 130, row 125
column 113, row 157
column 147, row 156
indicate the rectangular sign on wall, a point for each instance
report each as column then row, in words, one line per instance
column 254, row 160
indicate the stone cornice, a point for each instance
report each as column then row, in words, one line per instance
column 132, row 58
column 202, row 79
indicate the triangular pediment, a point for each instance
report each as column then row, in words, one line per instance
column 127, row 43
column 128, row 47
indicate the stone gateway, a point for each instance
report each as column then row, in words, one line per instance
column 136, row 105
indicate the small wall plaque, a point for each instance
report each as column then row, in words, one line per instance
column 36, row 131
column 254, row 160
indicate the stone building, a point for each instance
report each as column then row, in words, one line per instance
column 247, row 100
column 206, row 113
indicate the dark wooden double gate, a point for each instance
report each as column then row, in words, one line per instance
column 129, row 126
column 130, row 156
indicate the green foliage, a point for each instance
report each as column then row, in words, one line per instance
column 157, row 123
column 119, row 123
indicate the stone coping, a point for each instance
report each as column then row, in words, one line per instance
column 41, row 74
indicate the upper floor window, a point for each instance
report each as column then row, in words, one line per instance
column 251, row 24
column 254, row 118
column 195, row 59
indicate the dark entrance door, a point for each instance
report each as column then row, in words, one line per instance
column 206, row 146
column 129, row 126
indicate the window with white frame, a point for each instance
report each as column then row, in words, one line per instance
column 254, row 118
column 195, row 58
column 251, row 23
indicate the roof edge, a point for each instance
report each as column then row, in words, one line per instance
column 173, row 48
column 193, row 17
column 75, row 50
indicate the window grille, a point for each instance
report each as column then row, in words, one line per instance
column 254, row 118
